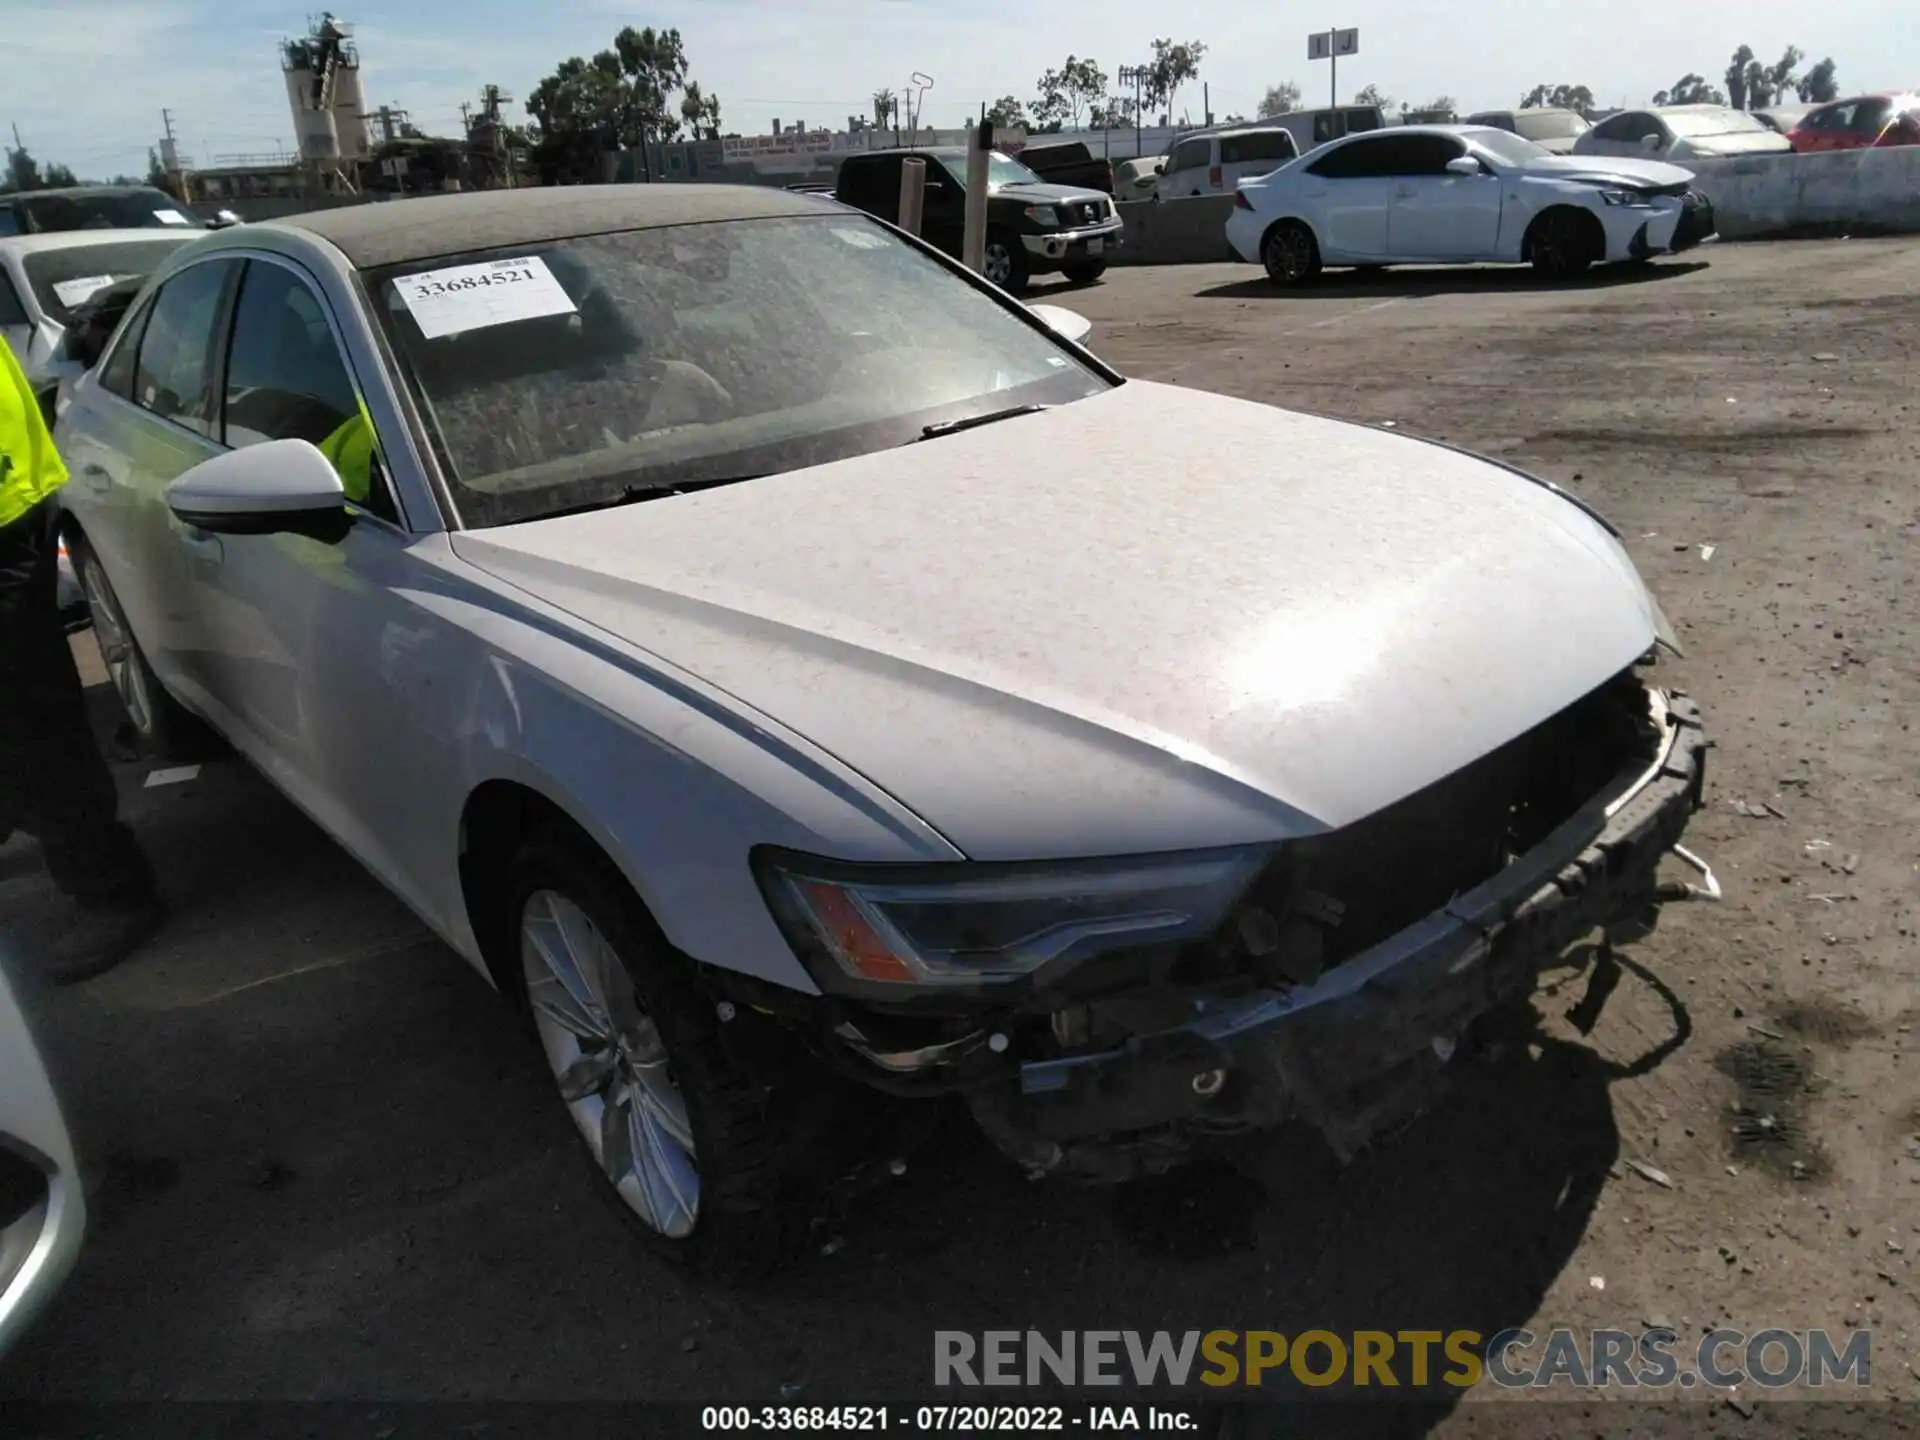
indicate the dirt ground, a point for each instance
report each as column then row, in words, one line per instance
column 326, row 1166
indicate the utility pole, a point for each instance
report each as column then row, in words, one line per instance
column 1138, row 77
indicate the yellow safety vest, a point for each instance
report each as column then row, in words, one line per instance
column 30, row 468
column 350, row 449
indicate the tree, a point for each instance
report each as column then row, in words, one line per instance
column 1690, row 89
column 886, row 108
column 701, row 112
column 1440, row 105
column 1115, row 112
column 1067, row 94
column 1281, row 99
column 59, row 176
column 1780, row 75
column 653, row 64
column 1173, row 66
column 1373, row 95
column 1007, row 112
column 23, row 171
column 1737, row 76
column 1577, row 98
column 1818, row 86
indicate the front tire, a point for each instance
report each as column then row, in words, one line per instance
column 1562, row 244
column 1290, row 253
column 674, row 1127
column 165, row 728
column 1005, row 262
column 1085, row 273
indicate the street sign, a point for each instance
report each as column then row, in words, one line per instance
column 1331, row 43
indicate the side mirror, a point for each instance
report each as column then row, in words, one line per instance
column 1069, row 325
column 284, row 487
column 1465, row 165
column 1652, row 142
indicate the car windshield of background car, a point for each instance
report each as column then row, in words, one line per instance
column 683, row 355
column 1712, row 122
column 1507, row 148
column 127, row 210
column 1549, row 124
column 1002, row 170
column 65, row 278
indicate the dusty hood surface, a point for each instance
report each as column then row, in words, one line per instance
column 1623, row 168
column 1153, row 619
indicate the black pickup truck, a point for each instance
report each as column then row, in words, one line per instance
column 1033, row 228
column 1068, row 162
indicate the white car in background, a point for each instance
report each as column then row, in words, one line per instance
column 1550, row 128
column 42, row 1213
column 1682, row 132
column 1216, row 161
column 1454, row 194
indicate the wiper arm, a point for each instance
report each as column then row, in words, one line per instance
column 635, row 494
column 954, row 427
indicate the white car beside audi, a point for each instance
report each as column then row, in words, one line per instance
column 1461, row 194
column 767, row 653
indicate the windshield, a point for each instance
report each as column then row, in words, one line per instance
column 65, row 278
column 1549, row 124
column 107, row 210
column 1509, row 149
column 1711, row 122
column 573, row 373
column 1001, row 170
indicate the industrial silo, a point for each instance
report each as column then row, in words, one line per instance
column 316, row 64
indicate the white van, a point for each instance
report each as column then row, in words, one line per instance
column 1311, row 128
column 1214, row 162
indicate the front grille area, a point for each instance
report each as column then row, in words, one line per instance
column 1332, row 896
column 1089, row 212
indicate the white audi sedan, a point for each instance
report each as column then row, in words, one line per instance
column 42, row 1212
column 767, row 653
column 1456, row 194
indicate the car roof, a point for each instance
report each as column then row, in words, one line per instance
column 75, row 190
column 1700, row 108
column 1462, row 130
column 75, row 239
column 420, row 228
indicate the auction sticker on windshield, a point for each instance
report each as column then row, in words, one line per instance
column 72, row 292
column 171, row 217
column 473, row 297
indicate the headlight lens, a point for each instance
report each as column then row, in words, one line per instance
column 1043, row 215
column 892, row 930
column 1624, row 197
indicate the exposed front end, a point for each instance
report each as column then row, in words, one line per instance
column 1109, row 1022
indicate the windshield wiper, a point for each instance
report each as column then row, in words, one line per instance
column 635, row 494
column 954, row 427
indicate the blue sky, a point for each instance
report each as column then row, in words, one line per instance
column 85, row 80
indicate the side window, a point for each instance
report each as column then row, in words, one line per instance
column 286, row 381
column 1870, row 117
column 1359, row 160
column 1191, row 155
column 1424, row 154
column 118, row 372
column 1360, row 121
column 854, row 184
column 174, row 374
column 12, row 312
column 1616, row 128
column 1272, row 145
column 1640, row 126
column 9, row 218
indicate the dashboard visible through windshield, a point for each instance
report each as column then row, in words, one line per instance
column 580, row 372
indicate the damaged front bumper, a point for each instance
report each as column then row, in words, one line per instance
column 1365, row 1047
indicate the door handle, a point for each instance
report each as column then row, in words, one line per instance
column 99, row 479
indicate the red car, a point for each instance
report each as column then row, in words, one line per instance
column 1856, row 124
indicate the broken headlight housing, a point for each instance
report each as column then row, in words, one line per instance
column 894, row 930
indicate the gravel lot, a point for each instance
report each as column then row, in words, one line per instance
column 327, row 1165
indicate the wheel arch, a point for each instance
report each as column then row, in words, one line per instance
column 1589, row 222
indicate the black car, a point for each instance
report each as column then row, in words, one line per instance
column 94, row 207
column 1033, row 228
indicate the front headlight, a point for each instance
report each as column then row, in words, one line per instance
column 1624, row 197
column 1043, row 215
column 880, row 930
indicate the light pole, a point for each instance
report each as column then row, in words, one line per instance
column 1138, row 76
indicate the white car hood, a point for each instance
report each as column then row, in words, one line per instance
column 1153, row 619
column 1608, row 167
column 1738, row 142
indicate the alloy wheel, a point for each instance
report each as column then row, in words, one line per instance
column 1294, row 247
column 116, row 646
column 610, row 1062
column 997, row 264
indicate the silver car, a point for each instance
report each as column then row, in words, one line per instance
column 765, row 651
column 42, row 1212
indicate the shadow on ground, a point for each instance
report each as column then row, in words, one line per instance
column 1417, row 282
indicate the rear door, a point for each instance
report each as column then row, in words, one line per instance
column 147, row 418
column 1349, row 190
column 1436, row 214
column 1186, row 172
